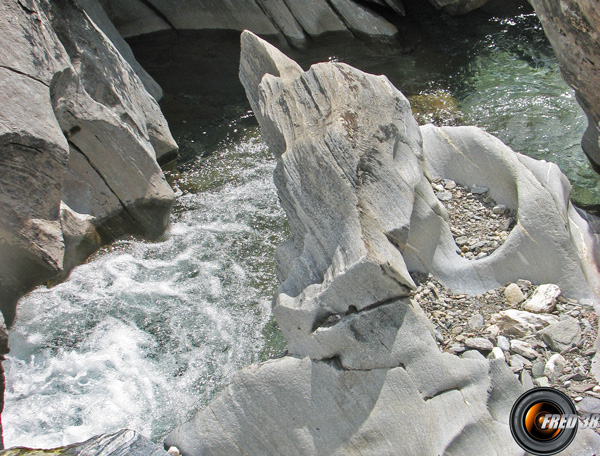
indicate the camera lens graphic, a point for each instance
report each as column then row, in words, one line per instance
column 527, row 419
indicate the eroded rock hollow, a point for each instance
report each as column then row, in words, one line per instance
column 364, row 374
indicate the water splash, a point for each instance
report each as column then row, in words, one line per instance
column 145, row 333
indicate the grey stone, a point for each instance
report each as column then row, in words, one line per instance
column 445, row 196
column 526, row 380
column 479, row 189
column 503, row 343
column 80, row 137
column 361, row 20
column 496, row 353
column 472, row 354
column 542, row 382
column 479, row 343
column 537, row 369
column 499, row 209
column 543, row 299
column 523, row 348
column 562, row 335
column 589, row 405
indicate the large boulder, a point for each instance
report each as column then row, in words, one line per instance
column 364, row 374
column 80, row 137
column 573, row 28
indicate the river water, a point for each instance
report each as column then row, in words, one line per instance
column 144, row 333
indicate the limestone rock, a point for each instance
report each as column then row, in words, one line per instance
column 513, row 294
column 554, row 366
column 520, row 323
column 573, row 28
column 523, row 348
column 364, row 373
column 80, row 137
column 479, row 343
column 543, row 300
column 563, row 334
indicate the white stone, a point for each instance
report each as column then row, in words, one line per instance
column 513, row 294
column 521, row 323
column 523, row 348
column 543, row 299
column 554, row 367
column 503, row 343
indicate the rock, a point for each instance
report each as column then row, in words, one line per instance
column 526, row 380
column 479, row 343
column 573, row 28
column 362, row 21
column 503, row 343
column 589, row 405
column 479, row 189
column 174, row 451
column 517, row 182
column 445, row 196
column 364, row 372
column 473, row 354
column 513, row 294
column 354, row 133
column 499, row 209
column 496, row 353
column 537, row 369
column 523, row 348
column 543, row 299
column 476, row 321
column 520, row 323
column 554, row 367
column 449, row 184
column 80, row 137
column 542, row 382
column 462, row 240
column 562, row 335
column 121, row 443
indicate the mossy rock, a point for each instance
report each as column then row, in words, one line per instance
column 437, row 107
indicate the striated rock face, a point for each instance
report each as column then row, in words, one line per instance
column 294, row 20
column 79, row 139
column 364, row 374
column 573, row 28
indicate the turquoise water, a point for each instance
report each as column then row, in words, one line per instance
column 145, row 333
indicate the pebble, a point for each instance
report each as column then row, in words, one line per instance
column 542, row 382
column 479, row 343
column 596, row 389
column 513, row 294
column 523, row 348
column 496, row 353
column 537, row 370
column 499, row 209
column 461, row 240
column 476, row 321
column 449, row 184
column 503, row 343
column 526, row 380
column 554, row 367
column 543, row 300
column 173, row 451
column 444, row 196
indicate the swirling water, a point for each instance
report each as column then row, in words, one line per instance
column 144, row 333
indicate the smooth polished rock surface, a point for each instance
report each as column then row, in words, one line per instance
column 364, row 374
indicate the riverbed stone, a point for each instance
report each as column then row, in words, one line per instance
column 554, row 367
column 479, row 343
column 513, row 294
column 543, row 299
column 562, row 335
column 503, row 343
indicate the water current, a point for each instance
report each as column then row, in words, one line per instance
column 145, row 332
